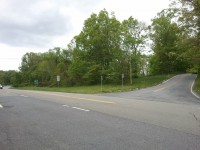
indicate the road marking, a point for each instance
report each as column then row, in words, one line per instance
column 169, row 79
column 1, row 106
column 80, row 109
column 193, row 92
column 23, row 96
column 195, row 117
column 92, row 100
column 160, row 89
column 76, row 108
column 79, row 98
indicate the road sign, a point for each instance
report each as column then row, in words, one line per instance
column 122, row 75
column 101, row 78
column 58, row 78
column 36, row 82
column 101, row 83
column 122, row 80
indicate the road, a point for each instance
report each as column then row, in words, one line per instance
column 163, row 117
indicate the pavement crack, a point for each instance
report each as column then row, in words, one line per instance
column 195, row 117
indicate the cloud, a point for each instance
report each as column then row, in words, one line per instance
column 31, row 23
column 38, row 23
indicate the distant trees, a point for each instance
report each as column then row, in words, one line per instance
column 109, row 48
column 105, row 47
column 45, row 66
column 7, row 77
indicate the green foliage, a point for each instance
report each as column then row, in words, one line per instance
column 6, row 77
column 188, row 12
column 77, row 70
column 109, row 48
column 197, row 85
column 167, row 46
column 99, row 39
column 134, row 37
column 93, row 74
column 2, row 73
column 107, row 45
column 141, row 82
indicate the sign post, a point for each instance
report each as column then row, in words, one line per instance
column 36, row 82
column 58, row 80
column 122, row 80
column 101, row 83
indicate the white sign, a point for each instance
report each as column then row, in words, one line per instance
column 122, row 75
column 58, row 78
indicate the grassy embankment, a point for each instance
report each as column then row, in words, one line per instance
column 197, row 85
column 138, row 83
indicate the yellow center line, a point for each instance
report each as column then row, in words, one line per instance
column 79, row 98
column 86, row 99
column 160, row 89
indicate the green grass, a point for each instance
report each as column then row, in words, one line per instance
column 197, row 85
column 138, row 83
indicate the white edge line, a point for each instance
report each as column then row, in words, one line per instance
column 23, row 96
column 76, row 108
column 1, row 106
column 193, row 92
column 80, row 109
column 168, row 79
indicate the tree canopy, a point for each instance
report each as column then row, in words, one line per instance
column 109, row 48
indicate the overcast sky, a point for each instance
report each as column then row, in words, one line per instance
column 39, row 25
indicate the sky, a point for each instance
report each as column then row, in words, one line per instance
column 40, row 25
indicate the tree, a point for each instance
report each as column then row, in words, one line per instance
column 189, row 18
column 28, row 67
column 105, row 47
column 99, row 43
column 134, row 36
column 46, row 66
column 167, row 36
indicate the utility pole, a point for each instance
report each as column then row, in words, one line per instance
column 122, row 81
column 58, row 80
column 131, row 80
column 101, row 83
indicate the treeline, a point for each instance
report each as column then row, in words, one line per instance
column 105, row 48
column 109, row 49
column 175, row 33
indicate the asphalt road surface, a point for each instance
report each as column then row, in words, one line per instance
column 164, row 117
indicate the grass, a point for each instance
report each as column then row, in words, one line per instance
column 138, row 83
column 197, row 85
